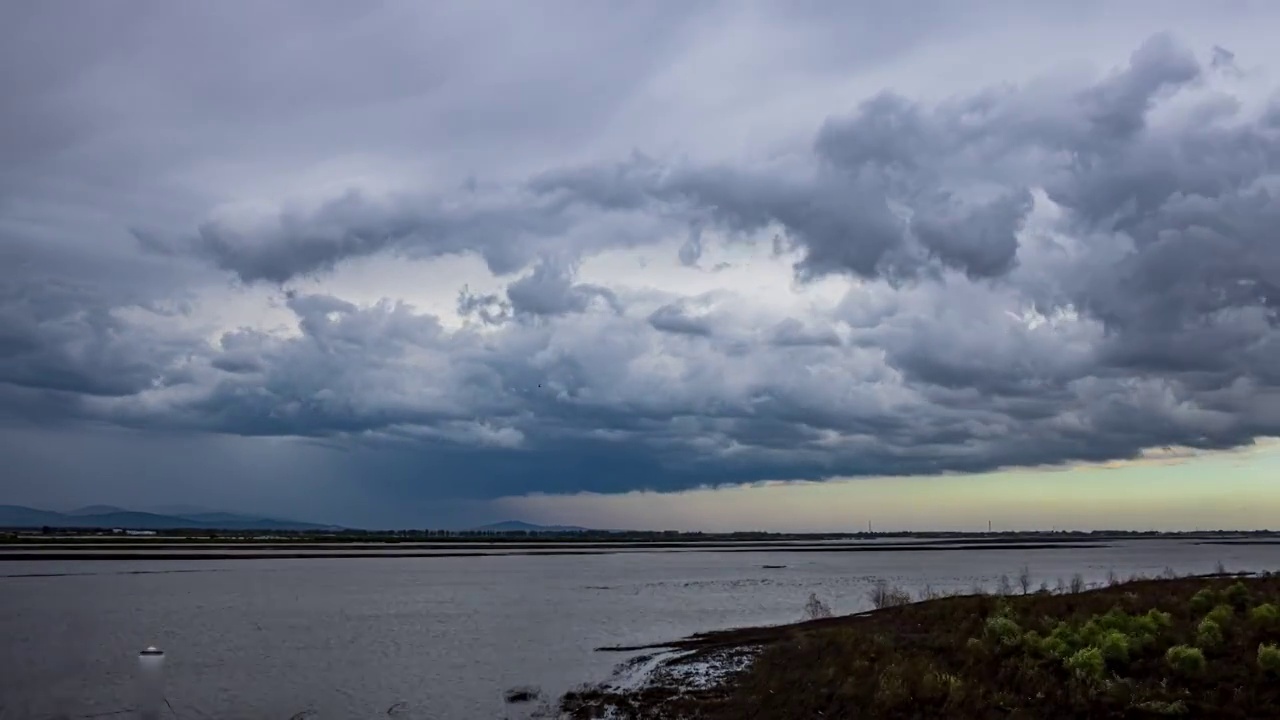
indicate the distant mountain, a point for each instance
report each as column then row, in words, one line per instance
column 519, row 526
column 18, row 516
column 96, row 510
column 179, row 510
column 106, row 516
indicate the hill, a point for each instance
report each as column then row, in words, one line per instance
column 96, row 510
column 520, row 526
column 109, row 517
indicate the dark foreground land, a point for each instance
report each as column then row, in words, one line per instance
column 1189, row 647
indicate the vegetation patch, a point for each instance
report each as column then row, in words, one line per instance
column 1183, row 647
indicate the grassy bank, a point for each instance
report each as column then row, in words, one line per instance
column 1185, row 647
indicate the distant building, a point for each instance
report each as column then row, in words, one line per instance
column 139, row 532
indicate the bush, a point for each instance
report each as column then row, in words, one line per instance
column 1144, row 628
column 1077, row 583
column 1115, row 619
column 1237, row 596
column 1269, row 658
column 1087, row 664
column 1220, row 614
column 1202, row 601
column 1115, row 647
column 1004, row 629
column 1032, row 640
column 1091, row 632
column 1185, row 660
column 1055, row 647
column 1265, row 615
column 1209, row 634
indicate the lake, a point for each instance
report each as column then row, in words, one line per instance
column 445, row 636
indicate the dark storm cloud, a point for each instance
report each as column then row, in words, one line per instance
column 1041, row 272
column 676, row 318
column 794, row 333
column 508, row 238
column 63, row 327
column 550, row 290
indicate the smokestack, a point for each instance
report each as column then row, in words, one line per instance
column 150, row 683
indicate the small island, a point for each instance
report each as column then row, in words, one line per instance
column 1204, row 646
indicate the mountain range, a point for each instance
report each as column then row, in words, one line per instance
column 109, row 516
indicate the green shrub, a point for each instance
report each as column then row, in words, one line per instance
column 1185, row 660
column 1004, row 629
column 1115, row 619
column 1032, row 640
column 1237, row 596
column 1091, row 632
column 1144, row 629
column 1208, row 634
column 1265, row 615
column 1055, row 647
column 1202, row 601
column 1115, row 647
column 1220, row 614
column 1087, row 664
column 1269, row 658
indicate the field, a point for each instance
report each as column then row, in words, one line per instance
column 1180, row 647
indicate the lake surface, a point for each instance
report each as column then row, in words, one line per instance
column 349, row 638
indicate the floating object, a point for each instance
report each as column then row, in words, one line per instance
column 773, row 567
column 150, row 683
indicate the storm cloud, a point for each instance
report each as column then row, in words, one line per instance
column 502, row 273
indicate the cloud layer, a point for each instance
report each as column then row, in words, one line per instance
column 1055, row 268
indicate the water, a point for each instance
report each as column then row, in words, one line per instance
column 350, row 638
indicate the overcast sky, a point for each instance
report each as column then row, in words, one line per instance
column 416, row 263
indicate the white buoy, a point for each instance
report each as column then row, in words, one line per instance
column 150, row 683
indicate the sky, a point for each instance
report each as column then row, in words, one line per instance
column 698, row 265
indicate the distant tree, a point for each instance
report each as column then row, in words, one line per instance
column 1024, row 579
column 815, row 609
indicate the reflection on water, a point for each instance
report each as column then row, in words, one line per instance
column 445, row 637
